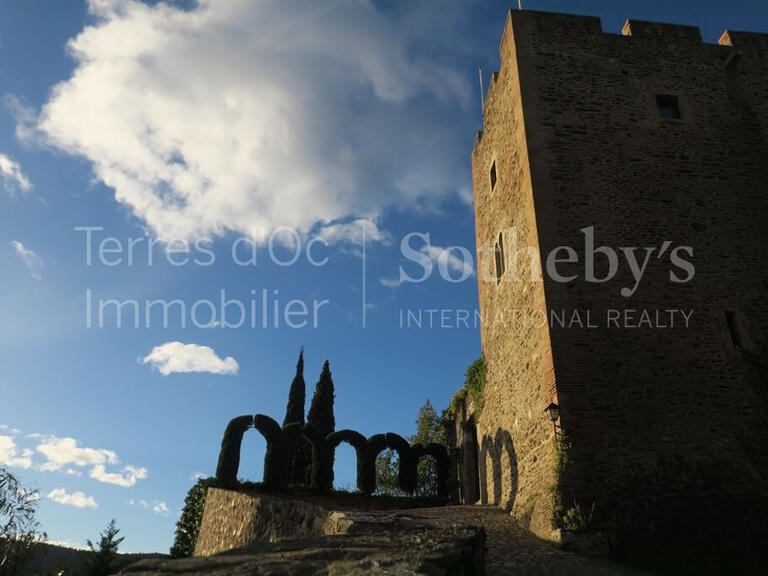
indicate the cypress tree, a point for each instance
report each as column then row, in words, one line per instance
column 321, row 410
column 297, row 396
column 299, row 451
column 320, row 415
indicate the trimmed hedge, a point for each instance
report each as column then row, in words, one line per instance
column 229, row 456
column 281, row 440
column 360, row 444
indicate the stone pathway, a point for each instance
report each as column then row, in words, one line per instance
column 512, row 550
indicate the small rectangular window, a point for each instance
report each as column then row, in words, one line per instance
column 493, row 175
column 669, row 106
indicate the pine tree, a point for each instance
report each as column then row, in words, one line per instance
column 104, row 559
column 300, row 454
column 321, row 410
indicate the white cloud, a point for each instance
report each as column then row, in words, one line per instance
column 61, row 452
column 9, row 454
column 174, row 357
column 66, row 455
column 390, row 282
column 353, row 232
column 32, row 261
column 322, row 113
column 450, row 258
column 12, row 176
column 126, row 478
column 76, row 499
column 160, row 509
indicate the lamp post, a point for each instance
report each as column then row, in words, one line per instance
column 554, row 414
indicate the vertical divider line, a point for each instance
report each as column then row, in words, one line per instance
column 364, row 295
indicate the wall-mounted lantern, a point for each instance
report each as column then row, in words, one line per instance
column 554, row 414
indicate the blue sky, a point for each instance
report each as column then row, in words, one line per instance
column 185, row 121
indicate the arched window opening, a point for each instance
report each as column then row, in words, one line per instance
column 345, row 468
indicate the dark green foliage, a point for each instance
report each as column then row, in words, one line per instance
column 188, row 526
column 380, row 471
column 299, row 451
column 429, row 430
column 276, row 458
column 229, row 456
column 406, row 474
column 386, row 470
column 442, row 471
column 474, row 383
column 19, row 529
column 320, row 414
column 360, row 444
column 297, row 395
column 322, row 459
column 104, row 560
column 416, row 473
column 321, row 410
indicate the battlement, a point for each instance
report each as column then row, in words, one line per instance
column 570, row 25
column 748, row 40
column 676, row 33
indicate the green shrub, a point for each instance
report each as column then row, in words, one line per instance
column 188, row 526
column 474, row 383
column 576, row 519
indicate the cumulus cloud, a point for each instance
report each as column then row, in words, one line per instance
column 76, row 499
column 32, row 261
column 10, row 456
column 61, row 452
column 127, row 477
column 174, row 357
column 66, row 455
column 13, row 178
column 246, row 116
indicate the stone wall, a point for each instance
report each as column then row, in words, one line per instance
column 655, row 415
column 235, row 520
column 516, row 459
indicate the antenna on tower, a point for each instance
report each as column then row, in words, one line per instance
column 519, row 4
column 482, row 96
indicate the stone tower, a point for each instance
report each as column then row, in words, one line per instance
column 651, row 139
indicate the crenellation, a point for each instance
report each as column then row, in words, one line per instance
column 672, row 34
column 748, row 40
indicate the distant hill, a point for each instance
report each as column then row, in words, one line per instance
column 52, row 560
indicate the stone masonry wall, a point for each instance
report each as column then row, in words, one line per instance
column 655, row 416
column 516, row 458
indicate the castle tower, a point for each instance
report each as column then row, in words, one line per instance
column 653, row 140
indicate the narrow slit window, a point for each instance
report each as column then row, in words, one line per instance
column 499, row 255
column 669, row 106
column 739, row 336
column 493, row 175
